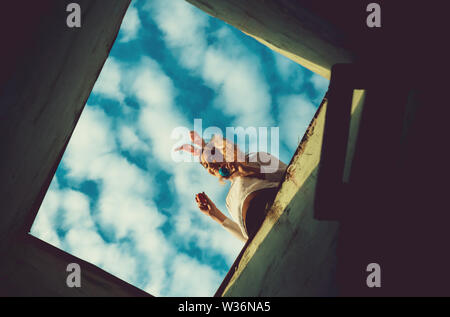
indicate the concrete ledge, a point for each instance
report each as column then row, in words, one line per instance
column 286, row 27
column 41, row 101
column 36, row 268
column 294, row 254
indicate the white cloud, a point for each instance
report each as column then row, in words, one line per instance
column 75, row 210
column 131, row 25
column 126, row 190
column 241, row 89
column 320, row 83
column 82, row 239
column 159, row 253
column 183, row 27
column 89, row 246
column 191, row 223
column 214, row 237
column 237, row 76
column 90, row 141
column 44, row 224
column 296, row 112
column 108, row 83
column 192, row 277
column 126, row 204
column 291, row 73
column 158, row 116
column 129, row 139
column 227, row 66
column 128, row 213
column 120, row 176
column 86, row 244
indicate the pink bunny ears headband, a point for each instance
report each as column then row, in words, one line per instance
column 217, row 142
column 197, row 140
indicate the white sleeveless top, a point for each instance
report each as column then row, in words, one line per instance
column 241, row 187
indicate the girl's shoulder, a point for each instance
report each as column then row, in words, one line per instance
column 266, row 160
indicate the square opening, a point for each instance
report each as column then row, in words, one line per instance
column 119, row 200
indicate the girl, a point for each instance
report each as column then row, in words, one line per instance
column 253, row 185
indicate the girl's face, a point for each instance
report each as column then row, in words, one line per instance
column 211, row 166
column 208, row 160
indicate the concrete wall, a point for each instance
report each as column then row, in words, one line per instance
column 393, row 211
column 294, row 254
column 48, row 72
column 35, row 268
column 52, row 72
column 287, row 27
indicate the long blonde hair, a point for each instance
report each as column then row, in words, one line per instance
column 231, row 156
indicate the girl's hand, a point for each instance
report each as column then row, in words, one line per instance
column 208, row 208
column 205, row 204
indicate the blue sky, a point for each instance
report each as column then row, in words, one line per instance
column 118, row 199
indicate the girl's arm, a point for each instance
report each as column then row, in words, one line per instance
column 233, row 228
column 209, row 208
column 260, row 168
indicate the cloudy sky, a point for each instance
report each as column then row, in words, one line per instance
column 118, row 199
